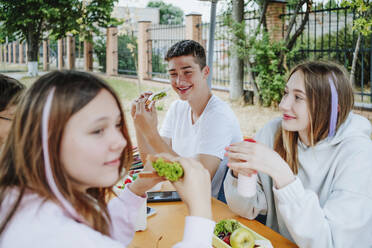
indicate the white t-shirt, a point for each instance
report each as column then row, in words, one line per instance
column 215, row 129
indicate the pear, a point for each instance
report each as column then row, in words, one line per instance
column 242, row 238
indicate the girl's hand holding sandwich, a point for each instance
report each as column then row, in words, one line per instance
column 194, row 186
column 145, row 183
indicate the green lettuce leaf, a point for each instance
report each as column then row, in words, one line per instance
column 226, row 226
column 171, row 171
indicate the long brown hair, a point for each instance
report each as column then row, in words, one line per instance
column 10, row 90
column 21, row 162
column 318, row 92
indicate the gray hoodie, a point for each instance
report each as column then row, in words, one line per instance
column 330, row 202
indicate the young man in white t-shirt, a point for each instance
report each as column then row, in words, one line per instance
column 199, row 125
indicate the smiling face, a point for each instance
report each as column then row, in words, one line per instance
column 188, row 80
column 92, row 143
column 294, row 106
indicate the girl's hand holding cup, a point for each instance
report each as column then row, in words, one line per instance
column 248, row 157
column 247, row 179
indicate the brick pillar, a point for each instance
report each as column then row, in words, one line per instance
column 9, row 53
column 144, row 50
column 112, row 51
column 20, row 51
column 88, row 56
column 70, row 52
column 274, row 23
column 14, row 52
column 193, row 27
column 45, row 55
column 60, row 54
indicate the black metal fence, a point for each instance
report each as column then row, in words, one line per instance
column 162, row 38
column 221, row 62
column 221, row 55
column 329, row 35
column 127, row 53
column 79, row 53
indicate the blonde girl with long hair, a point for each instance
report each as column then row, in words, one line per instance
column 68, row 145
column 314, row 163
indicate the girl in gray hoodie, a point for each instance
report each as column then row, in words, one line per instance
column 314, row 164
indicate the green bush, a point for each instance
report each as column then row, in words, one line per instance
column 126, row 58
column 158, row 63
column 127, row 53
column 100, row 50
column 270, row 78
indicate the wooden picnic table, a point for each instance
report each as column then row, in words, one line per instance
column 165, row 228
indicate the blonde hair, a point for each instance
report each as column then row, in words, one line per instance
column 21, row 162
column 317, row 76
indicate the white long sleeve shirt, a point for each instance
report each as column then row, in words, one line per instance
column 44, row 224
column 330, row 202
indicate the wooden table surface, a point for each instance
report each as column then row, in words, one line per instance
column 165, row 228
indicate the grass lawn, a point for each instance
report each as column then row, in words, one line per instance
column 128, row 90
column 5, row 67
column 251, row 118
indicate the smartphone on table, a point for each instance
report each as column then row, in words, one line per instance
column 150, row 211
column 163, row 196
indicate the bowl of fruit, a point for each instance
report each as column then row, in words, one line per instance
column 230, row 233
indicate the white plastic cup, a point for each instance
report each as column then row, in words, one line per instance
column 247, row 185
column 141, row 221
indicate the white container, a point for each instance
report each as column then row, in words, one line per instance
column 141, row 221
column 157, row 187
column 247, row 185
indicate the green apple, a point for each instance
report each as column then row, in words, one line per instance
column 242, row 238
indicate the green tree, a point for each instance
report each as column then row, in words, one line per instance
column 325, row 49
column 169, row 14
column 362, row 25
column 35, row 20
column 261, row 55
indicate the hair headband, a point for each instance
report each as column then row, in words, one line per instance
column 334, row 107
column 70, row 210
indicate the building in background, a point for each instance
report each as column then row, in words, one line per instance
column 132, row 15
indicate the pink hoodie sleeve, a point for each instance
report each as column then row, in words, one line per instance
column 123, row 211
